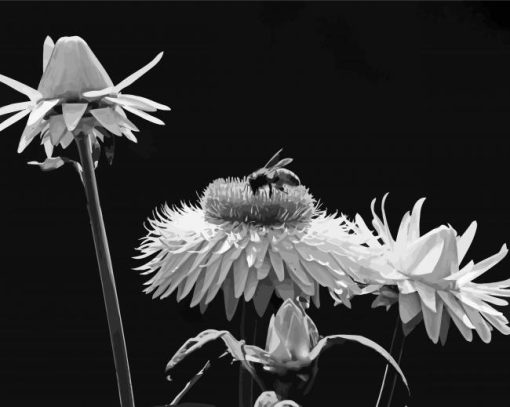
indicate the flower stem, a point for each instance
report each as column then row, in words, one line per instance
column 106, row 272
column 394, row 375
column 383, row 383
column 245, row 378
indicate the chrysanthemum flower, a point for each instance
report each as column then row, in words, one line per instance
column 270, row 399
column 293, row 344
column 76, row 95
column 423, row 274
column 247, row 245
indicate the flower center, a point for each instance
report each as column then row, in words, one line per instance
column 232, row 200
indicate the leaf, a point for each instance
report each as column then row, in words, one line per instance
column 233, row 345
column 53, row 163
column 340, row 339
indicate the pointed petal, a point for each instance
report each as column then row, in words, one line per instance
column 427, row 295
column 461, row 326
column 144, row 115
column 40, row 110
column 484, row 265
column 481, row 326
column 66, row 140
column 409, row 306
column 443, row 330
column 455, row 309
column 498, row 324
column 433, row 321
column 240, row 275
column 142, row 103
column 277, row 263
column 32, row 93
column 73, row 113
column 15, row 107
column 108, row 120
column 93, row 94
column 464, row 241
column 262, row 296
column 48, row 147
column 251, row 284
column 47, row 50
column 414, row 226
column 135, row 76
column 57, row 128
column 229, row 298
column 13, row 119
column 28, row 135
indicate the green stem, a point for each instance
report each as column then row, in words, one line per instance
column 106, row 272
column 245, row 377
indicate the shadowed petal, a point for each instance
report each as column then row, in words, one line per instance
column 73, row 113
column 108, row 120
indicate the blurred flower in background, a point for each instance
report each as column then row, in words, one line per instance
column 76, row 95
column 269, row 399
column 423, row 274
column 248, row 245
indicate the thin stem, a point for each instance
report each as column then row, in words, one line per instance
column 245, row 394
column 106, row 273
column 383, row 383
column 393, row 383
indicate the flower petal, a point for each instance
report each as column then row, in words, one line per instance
column 455, row 309
column 40, row 110
column 15, row 107
column 138, row 74
column 47, row 50
column 427, row 295
column 409, row 306
column 428, row 263
column 108, row 120
column 57, row 128
column 144, row 115
column 464, row 241
column 240, row 271
column 28, row 135
column 73, row 113
column 481, row 326
column 13, row 119
column 433, row 321
column 277, row 263
column 414, row 226
column 32, row 93
column 262, row 296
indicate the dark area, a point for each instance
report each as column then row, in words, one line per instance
column 368, row 98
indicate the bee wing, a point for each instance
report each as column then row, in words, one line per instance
column 273, row 159
column 282, row 163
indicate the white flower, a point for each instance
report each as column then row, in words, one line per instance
column 423, row 274
column 76, row 95
column 270, row 399
column 293, row 343
column 247, row 245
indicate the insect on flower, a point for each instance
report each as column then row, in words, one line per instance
column 273, row 175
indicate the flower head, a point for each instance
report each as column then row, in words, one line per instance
column 423, row 274
column 270, row 399
column 293, row 345
column 76, row 95
column 247, row 245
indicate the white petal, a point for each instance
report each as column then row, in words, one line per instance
column 146, row 103
column 464, row 241
column 57, row 128
column 92, row 94
column 427, row 295
column 15, row 107
column 262, row 296
column 498, row 324
column 28, row 135
column 464, row 330
column 251, row 284
column 428, row 263
column 240, row 275
column 264, row 268
column 13, row 119
column 445, row 325
column 106, row 117
column 229, row 298
column 73, row 113
column 144, row 115
column 455, row 309
column 480, row 325
column 433, row 321
column 277, row 263
column 135, row 76
column 484, row 265
column 32, row 93
column 414, row 226
column 409, row 306
column 47, row 50
column 473, row 301
column 48, row 147
column 40, row 110
column 66, row 140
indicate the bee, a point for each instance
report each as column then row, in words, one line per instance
column 274, row 175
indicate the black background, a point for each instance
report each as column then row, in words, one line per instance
column 406, row 98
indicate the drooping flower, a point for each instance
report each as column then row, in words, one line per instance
column 423, row 274
column 293, row 345
column 76, row 95
column 248, row 245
